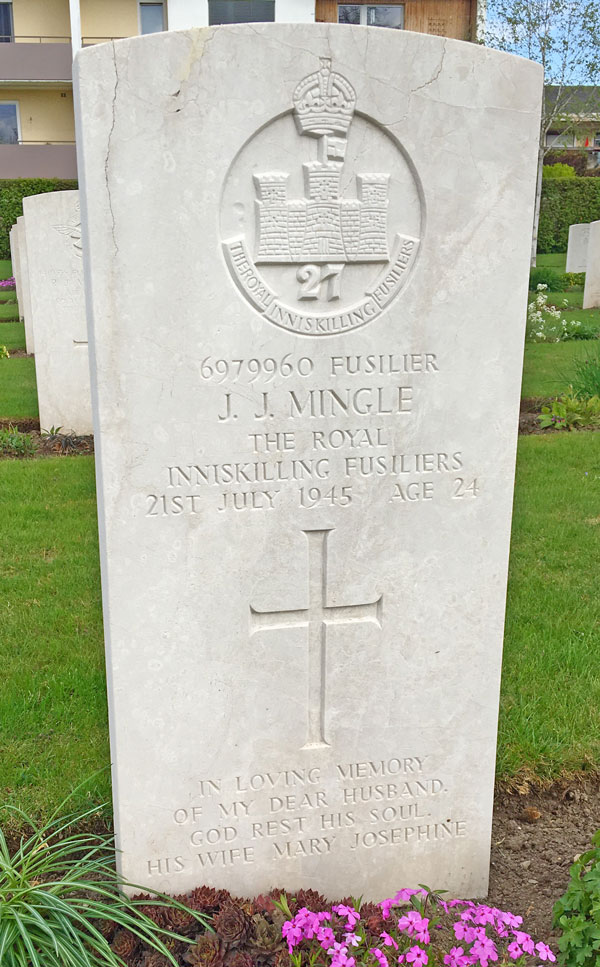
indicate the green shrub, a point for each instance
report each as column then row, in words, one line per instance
column 565, row 202
column 12, row 193
column 568, row 412
column 13, row 443
column 577, row 913
column 573, row 280
column 552, row 279
column 585, row 381
column 577, row 160
column 558, row 171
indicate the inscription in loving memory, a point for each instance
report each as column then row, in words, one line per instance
column 390, row 803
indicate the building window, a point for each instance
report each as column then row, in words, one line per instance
column 557, row 139
column 597, row 139
column 9, row 122
column 382, row 15
column 152, row 18
column 6, row 23
column 240, row 11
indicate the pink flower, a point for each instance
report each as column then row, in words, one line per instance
column 388, row 941
column 379, row 956
column 412, row 923
column 292, row 933
column 456, row 957
column 514, row 950
column 468, row 934
column 485, row 950
column 416, row 956
column 386, row 906
column 544, row 952
column 353, row 939
column 344, row 911
column 510, row 919
column 326, row 937
column 524, row 940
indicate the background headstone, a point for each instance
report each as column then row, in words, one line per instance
column 16, row 270
column 591, row 291
column 25, row 308
column 577, row 247
column 53, row 230
column 307, row 433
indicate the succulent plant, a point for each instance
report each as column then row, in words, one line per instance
column 241, row 959
column 178, row 920
column 313, row 900
column 232, row 924
column 206, row 952
column 207, row 898
column 266, row 936
column 124, row 944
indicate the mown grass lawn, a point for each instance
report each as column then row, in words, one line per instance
column 548, row 367
column 53, row 718
column 553, row 260
column 12, row 335
column 8, row 309
column 52, row 688
column 18, row 392
column 550, row 705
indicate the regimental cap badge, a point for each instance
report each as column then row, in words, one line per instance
column 324, row 102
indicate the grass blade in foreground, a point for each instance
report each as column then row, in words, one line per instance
column 55, row 888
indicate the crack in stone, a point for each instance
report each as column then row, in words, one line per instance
column 108, row 146
column 435, row 76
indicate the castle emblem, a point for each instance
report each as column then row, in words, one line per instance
column 323, row 226
column 326, row 231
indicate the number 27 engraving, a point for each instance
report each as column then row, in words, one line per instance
column 313, row 277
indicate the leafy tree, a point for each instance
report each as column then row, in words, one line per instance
column 564, row 37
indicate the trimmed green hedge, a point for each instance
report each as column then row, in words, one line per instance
column 12, row 193
column 566, row 202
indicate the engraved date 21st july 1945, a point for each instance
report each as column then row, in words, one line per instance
column 289, row 456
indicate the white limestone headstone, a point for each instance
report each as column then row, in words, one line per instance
column 53, row 230
column 577, row 247
column 25, row 308
column 591, row 290
column 16, row 270
column 306, row 430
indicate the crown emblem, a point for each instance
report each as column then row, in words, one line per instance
column 324, row 102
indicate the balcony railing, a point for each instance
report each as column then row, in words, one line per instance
column 38, row 159
column 52, row 39
column 43, row 142
column 36, row 62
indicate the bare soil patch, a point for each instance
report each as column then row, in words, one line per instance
column 537, row 835
column 64, row 443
